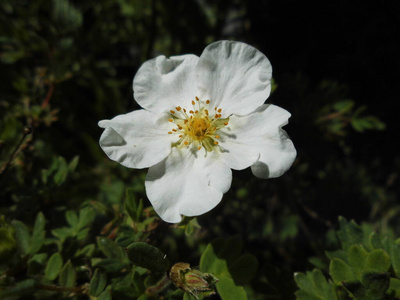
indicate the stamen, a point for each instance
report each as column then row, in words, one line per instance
column 193, row 103
column 219, row 110
column 215, row 143
column 217, row 136
column 208, row 101
column 171, row 120
column 178, row 108
column 169, row 132
column 172, row 112
column 197, row 98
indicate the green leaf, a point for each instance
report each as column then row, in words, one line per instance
column 22, row 237
column 227, row 289
column 73, row 164
column 36, row 263
column 377, row 260
column 313, row 285
column 98, row 283
column 38, row 234
column 357, row 257
column 61, row 174
column 106, row 295
column 110, row 248
column 394, row 287
column 376, row 284
column 147, row 256
column 340, row 271
column 133, row 208
column 54, row 266
column 72, row 218
column 111, row 265
column 66, row 15
column 349, row 234
column 86, row 217
column 86, row 251
column 68, row 275
column 243, row 269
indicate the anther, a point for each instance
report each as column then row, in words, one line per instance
column 169, row 132
column 178, row 108
column 172, row 112
column 193, row 103
column 217, row 136
column 219, row 110
column 208, row 101
column 199, row 147
column 197, row 98
column 215, row 143
column 174, row 130
column 186, row 143
column 171, row 120
column 226, row 123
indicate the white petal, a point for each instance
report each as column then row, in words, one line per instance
column 234, row 76
column 163, row 83
column 185, row 184
column 258, row 140
column 138, row 139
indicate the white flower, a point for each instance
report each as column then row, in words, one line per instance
column 201, row 117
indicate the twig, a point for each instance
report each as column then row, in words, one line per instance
column 75, row 290
column 20, row 145
column 48, row 95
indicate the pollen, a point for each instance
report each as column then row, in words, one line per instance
column 199, row 128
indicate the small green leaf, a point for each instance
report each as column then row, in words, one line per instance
column 54, row 266
column 86, row 217
column 110, row 265
column 228, row 290
column 313, row 285
column 350, row 233
column 38, row 234
column 106, row 295
column 110, row 248
column 68, row 275
column 147, row 256
column 61, row 174
column 72, row 218
column 22, row 236
column 394, row 287
column 73, row 164
column 377, row 260
column 376, row 284
column 340, row 271
column 357, row 256
column 98, row 283
column 36, row 263
column 131, row 205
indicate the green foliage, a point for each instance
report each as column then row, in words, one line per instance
column 223, row 259
column 364, row 268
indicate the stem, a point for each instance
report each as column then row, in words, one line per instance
column 76, row 290
column 20, row 145
column 48, row 96
column 162, row 284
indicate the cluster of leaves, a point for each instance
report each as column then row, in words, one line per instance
column 366, row 267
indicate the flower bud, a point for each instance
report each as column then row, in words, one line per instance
column 192, row 281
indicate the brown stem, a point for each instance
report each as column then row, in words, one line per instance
column 48, row 96
column 20, row 145
column 162, row 284
column 75, row 290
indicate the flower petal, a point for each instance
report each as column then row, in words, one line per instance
column 234, row 76
column 138, row 139
column 164, row 83
column 258, row 140
column 187, row 184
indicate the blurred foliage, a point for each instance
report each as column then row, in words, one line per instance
column 74, row 225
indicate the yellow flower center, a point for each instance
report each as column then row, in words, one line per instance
column 197, row 126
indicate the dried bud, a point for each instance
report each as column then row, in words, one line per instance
column 192, row 281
